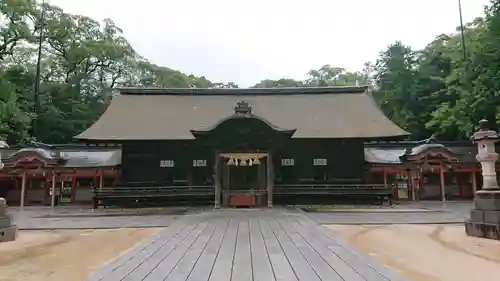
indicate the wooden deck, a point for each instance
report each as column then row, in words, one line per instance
column 253, row 245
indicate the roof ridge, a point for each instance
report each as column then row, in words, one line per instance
column 245, row 91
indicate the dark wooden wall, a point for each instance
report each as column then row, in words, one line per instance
column 141, row 161
column 345, row 159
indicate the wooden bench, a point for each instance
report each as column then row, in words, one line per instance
column 141, row 196
column 372, row 193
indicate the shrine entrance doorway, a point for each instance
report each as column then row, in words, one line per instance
column 243, row 145
column 244, row 180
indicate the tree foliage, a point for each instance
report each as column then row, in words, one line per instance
column 437, row 90
column 83, row 61
column 441, row 90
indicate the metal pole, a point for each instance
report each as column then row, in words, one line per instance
column 36, row 88
column 462, row 32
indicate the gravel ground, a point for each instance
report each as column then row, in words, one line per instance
column 432, row 213
column 426, row 252
column 64, row 255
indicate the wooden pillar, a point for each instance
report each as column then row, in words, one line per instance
column 413, row 176
column 217, row 186
column 442, row 184
column 270, row 180
column 73, row 188
column 418, row 180
column 23, row 190
column 225, row 185
column 53, row 191
column 61, row 189
column 385, row 178
column 190, row 174
column 474, row 183
column 117, row 176
column 412, row 183
column 422, row 180
column 101, row 179
column 409, row 184
column 458, row 182
column 95, row 174
column 262, row 183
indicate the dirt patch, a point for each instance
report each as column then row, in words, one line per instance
column 427, row 252
column 65, row 255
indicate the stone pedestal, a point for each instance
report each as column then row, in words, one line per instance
column 8, row 231
column 485, row 216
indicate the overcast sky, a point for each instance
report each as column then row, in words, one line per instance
column 246, row 41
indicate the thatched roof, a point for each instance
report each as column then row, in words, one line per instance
column 154, row 114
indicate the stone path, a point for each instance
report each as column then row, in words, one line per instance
column 73, row 217
column 93, row 223
column 81, row 218
column 253, row 245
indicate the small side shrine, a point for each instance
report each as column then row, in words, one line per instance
column 426, row 156
column 49, row 175
column 411, row 167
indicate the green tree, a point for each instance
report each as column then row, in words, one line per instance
column 280, row 83
column 396, row 86
column 435, row 90
column 83, row 61
column 15, row 17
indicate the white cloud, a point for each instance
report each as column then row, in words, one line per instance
column 248, row 40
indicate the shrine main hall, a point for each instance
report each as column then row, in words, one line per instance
column 237, row 147
column 242, row 144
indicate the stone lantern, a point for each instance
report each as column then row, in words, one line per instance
column 8, row 231
column 485, row 216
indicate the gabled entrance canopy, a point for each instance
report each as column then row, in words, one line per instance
column 243, row 130
column 242, row 115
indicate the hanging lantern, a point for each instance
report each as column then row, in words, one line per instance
column 250, row 162
column 231, row 161
column 236, row 161
column 256, row 161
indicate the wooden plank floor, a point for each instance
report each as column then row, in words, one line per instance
column 253, row 245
